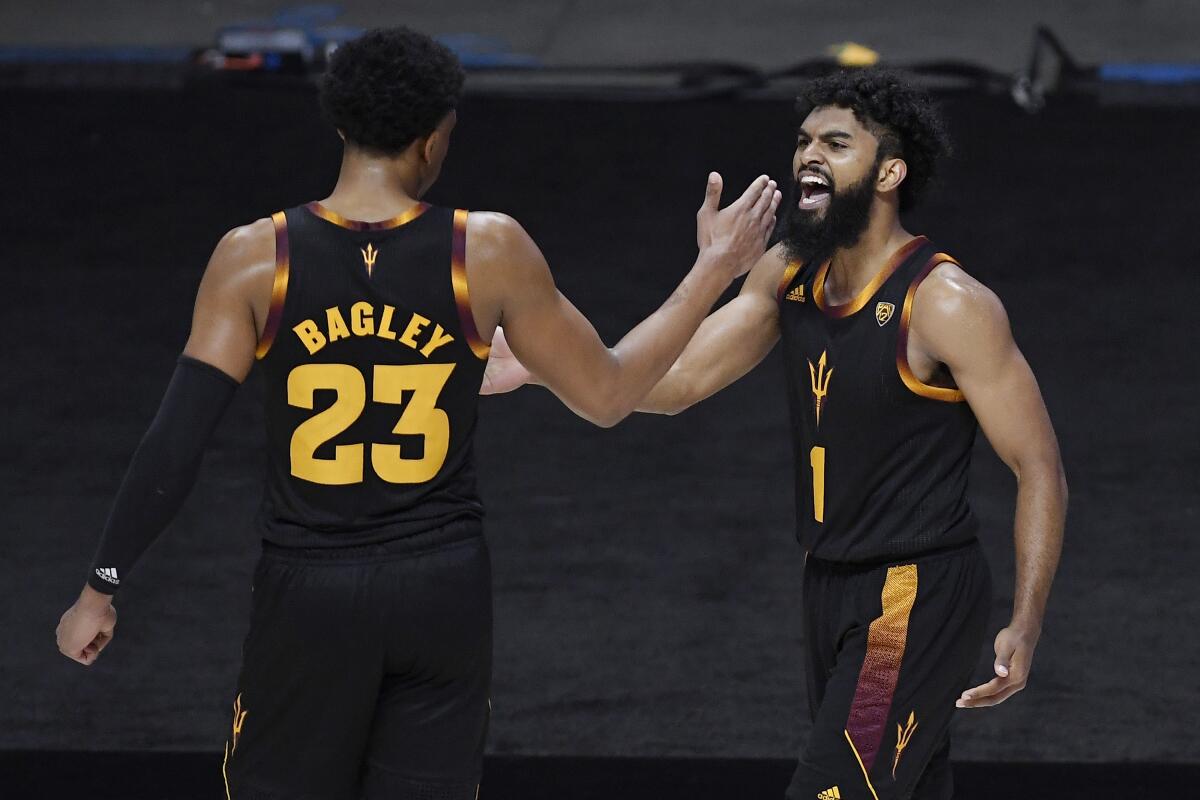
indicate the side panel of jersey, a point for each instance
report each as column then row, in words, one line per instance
column 372, row 368
column 881, row 459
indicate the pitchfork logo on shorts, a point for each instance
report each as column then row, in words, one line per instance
column 883, row 312
column 239, row 717
column 369, row 254
column 820, row 382
column 903, row 735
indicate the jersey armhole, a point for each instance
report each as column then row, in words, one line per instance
column 278, row 286
column 914, row 384
column 789, row 274
column 462, row 297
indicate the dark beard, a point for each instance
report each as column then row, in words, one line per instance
column 807, row 237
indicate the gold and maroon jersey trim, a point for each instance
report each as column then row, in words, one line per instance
column 789, row 274
column 915, row 384
column 355, row 225
column 278, row 286
column 462, row 298
column 863, row 297
column 887, row 637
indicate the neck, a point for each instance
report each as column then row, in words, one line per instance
column 853, row 267
column 374, row 187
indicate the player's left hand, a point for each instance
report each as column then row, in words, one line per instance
column 503, row 372
column 1014, row 656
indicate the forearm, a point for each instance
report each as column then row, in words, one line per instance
column 670, row 395
column 162, row 470
column 712, row 360
column 728, row 344
column 640, row 360
column 1038, row 536
column 601, row 384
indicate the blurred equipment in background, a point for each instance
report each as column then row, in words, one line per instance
column 295, row 44
column 1052, row 69
column 299, row 43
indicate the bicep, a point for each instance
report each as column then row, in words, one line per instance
column 1005, row 397
column 545, row 331
column 224, row 332
column 973, row 338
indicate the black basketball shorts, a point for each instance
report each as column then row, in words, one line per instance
column 890, row 648
column 366, row 672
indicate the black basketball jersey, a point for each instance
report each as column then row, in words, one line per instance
column 881, row 457
column 373, row 366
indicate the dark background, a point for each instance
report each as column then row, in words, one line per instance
column 647, row 598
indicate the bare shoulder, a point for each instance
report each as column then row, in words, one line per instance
column 956, row 318
column 496, row 238
column 241, row 270
column 244, row 252
column 504, row 268
column 491, row 224
column 950, row 300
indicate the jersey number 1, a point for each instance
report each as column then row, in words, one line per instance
column 816, row 460
column 389, row 383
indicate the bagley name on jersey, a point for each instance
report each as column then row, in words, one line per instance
column 362, row 323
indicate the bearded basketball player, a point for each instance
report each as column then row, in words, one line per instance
column 367, row 666
column 894, row 356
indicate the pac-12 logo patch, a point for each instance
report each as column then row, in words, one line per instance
column 883, row 312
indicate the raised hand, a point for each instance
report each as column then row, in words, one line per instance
column 740, row 230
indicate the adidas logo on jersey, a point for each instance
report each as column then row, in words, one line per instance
column 109, row 574
column 796, row 294
column 831, row 793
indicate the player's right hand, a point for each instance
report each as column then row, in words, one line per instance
column 504, row 372
column 737, row 235
column 87, row 627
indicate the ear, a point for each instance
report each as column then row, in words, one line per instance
column 430, row 146
column 891, row 174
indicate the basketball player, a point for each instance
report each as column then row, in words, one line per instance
column 367, row 666
column 894, row 356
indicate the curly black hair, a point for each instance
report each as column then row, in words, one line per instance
column 389, row 87
column 902, row 117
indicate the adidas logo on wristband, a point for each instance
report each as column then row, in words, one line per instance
column 109, row 574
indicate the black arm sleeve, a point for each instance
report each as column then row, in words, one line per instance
column 163, row 469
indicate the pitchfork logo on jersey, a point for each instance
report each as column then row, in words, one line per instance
column 369, row 253
column 820, row 382
column 883, row 312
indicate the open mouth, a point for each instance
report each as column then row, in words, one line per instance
column 814, row 192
